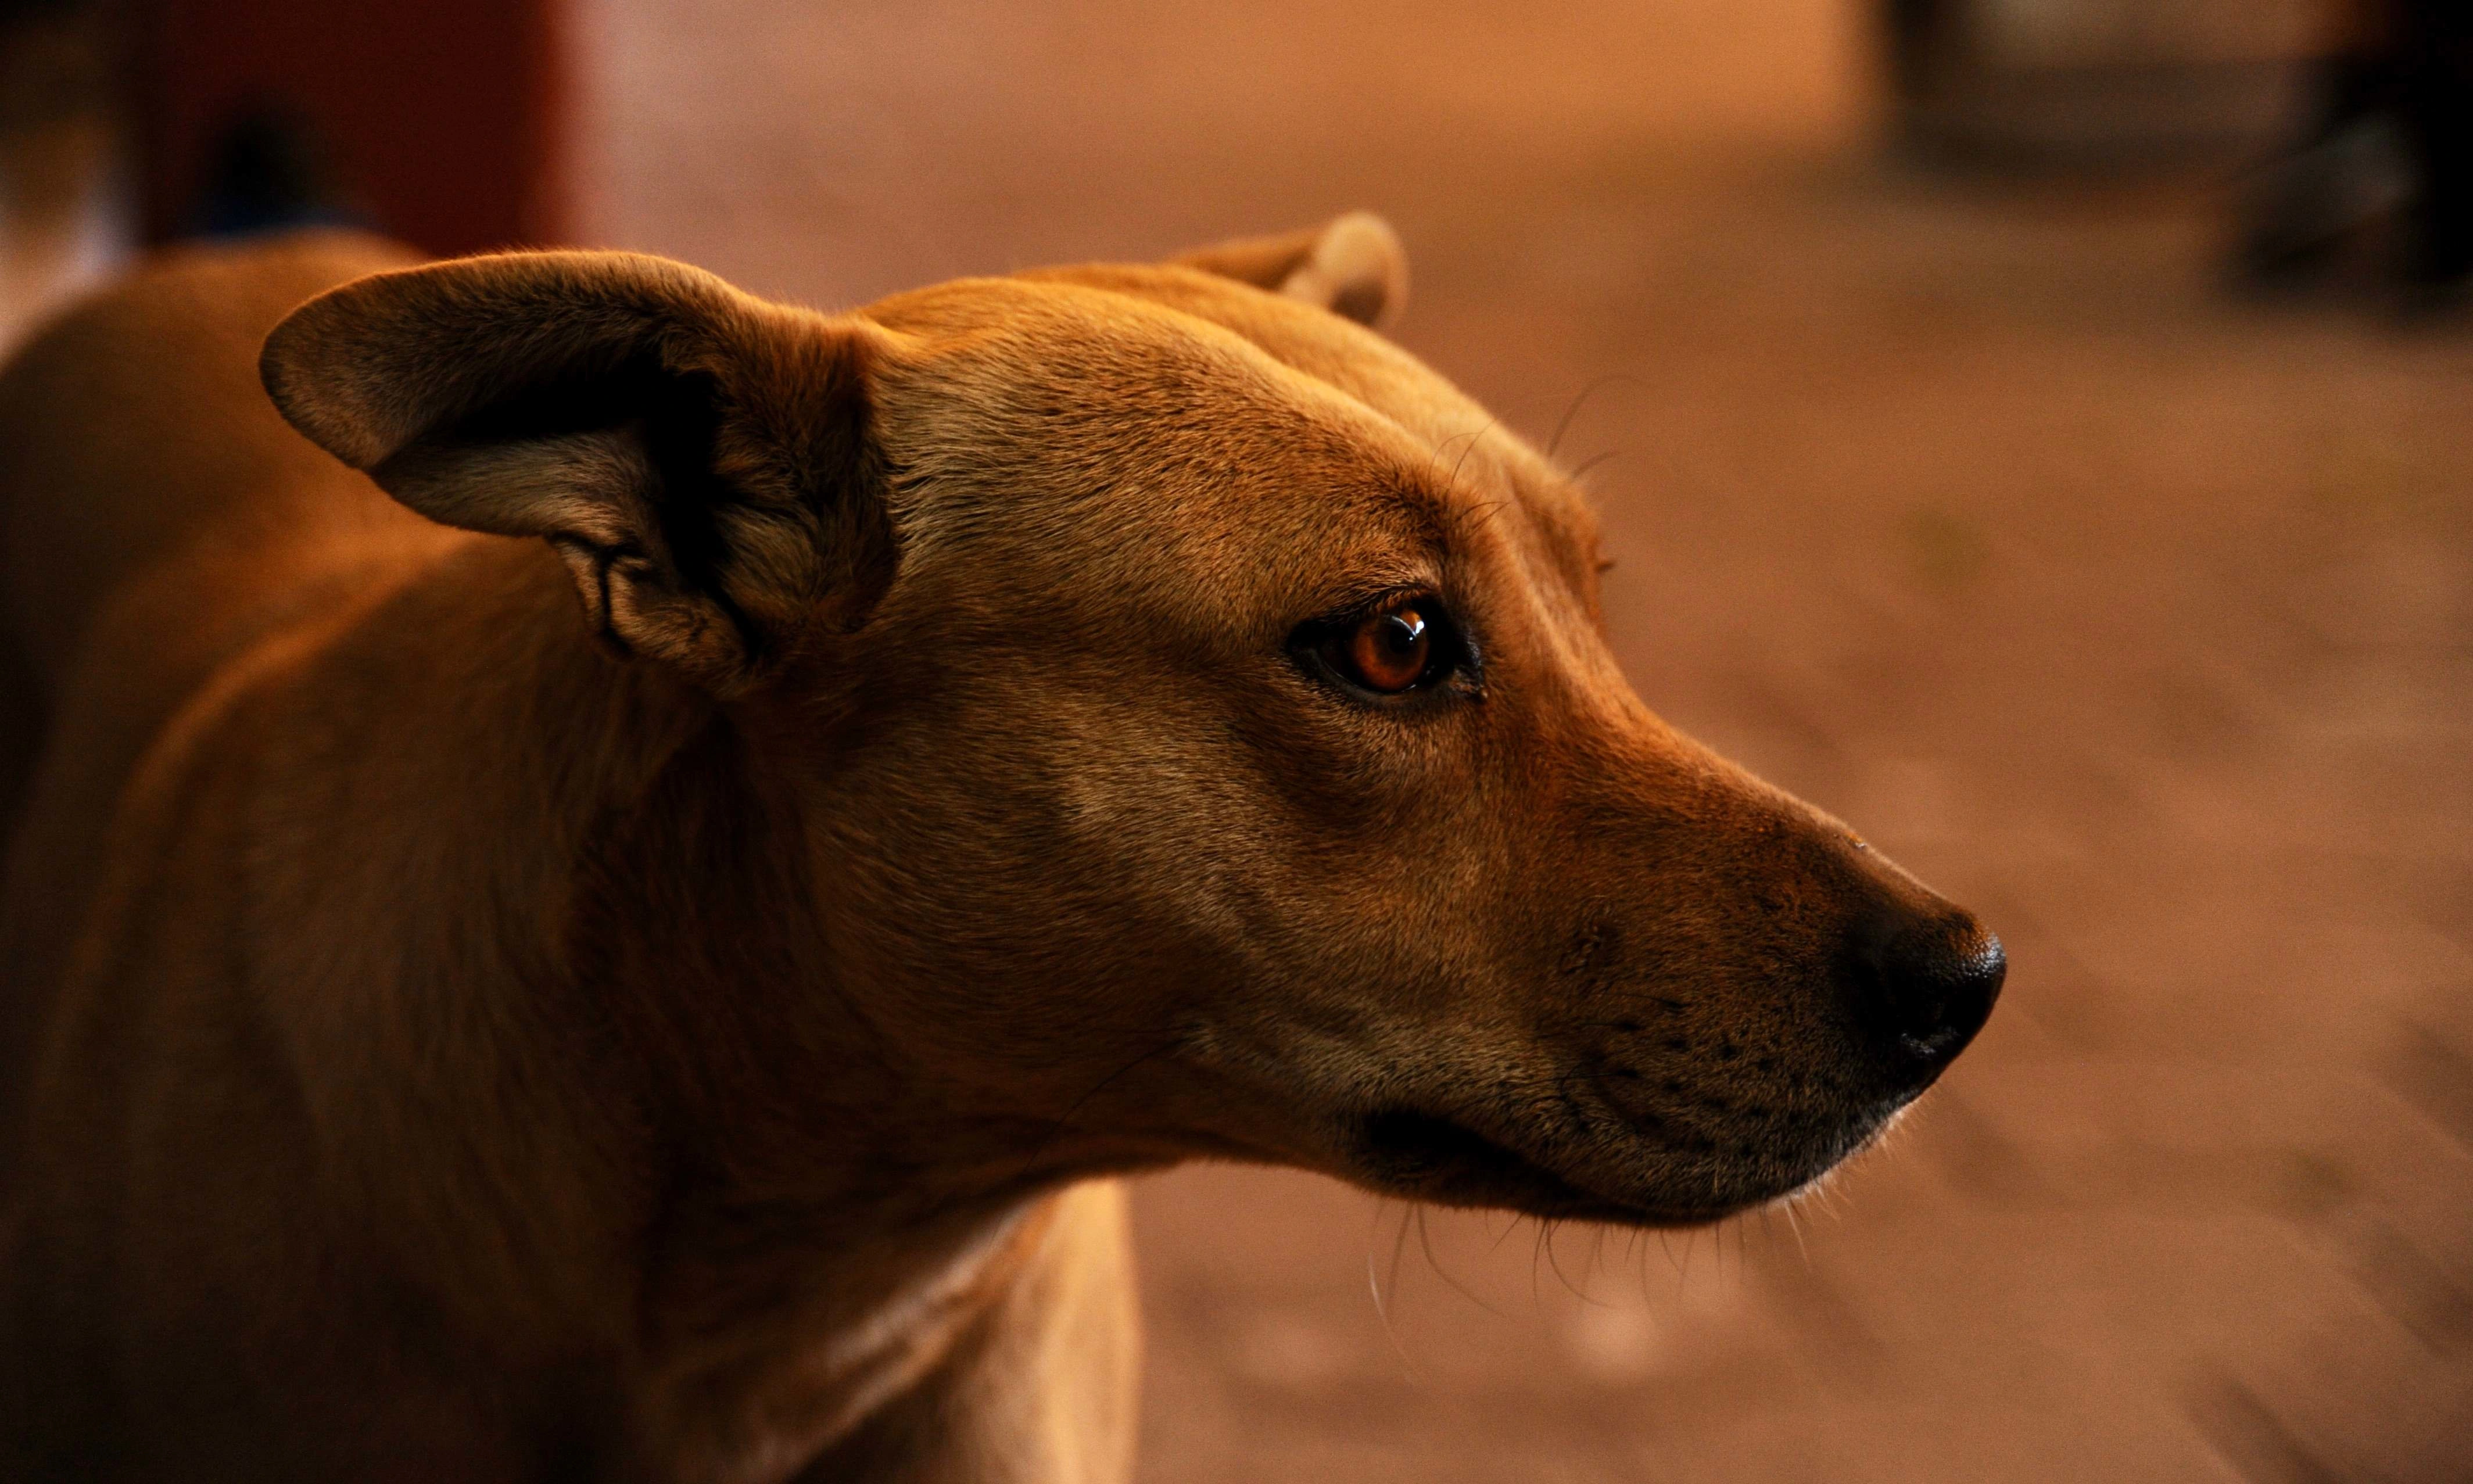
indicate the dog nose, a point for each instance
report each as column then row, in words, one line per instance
column 1927, row 983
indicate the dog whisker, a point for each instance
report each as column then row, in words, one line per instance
column 1577, row 402
column 1553, row 1261
column 1382, row 1309
column 1399, row 1245
column 1592, row 462
column 1796, row 1227
column 1470, row 447
column 1425, row 1240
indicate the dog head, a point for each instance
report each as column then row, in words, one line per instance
column 1200, row 719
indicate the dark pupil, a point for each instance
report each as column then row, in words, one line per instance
column 1400, row 632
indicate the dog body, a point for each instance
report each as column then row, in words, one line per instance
column 443, row 1035
column 236, row 620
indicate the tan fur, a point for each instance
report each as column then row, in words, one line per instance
column 444, row 1037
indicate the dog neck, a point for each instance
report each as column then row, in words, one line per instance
column 669, row 1139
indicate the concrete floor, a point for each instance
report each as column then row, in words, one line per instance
column 2140, row 620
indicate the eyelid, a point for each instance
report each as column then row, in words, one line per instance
column 1372, row 600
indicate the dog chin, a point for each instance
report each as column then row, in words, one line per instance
column 1429, row 1157
column 1417, row 1154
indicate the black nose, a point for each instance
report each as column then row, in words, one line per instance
column 1926, row 984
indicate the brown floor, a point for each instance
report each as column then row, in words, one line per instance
column 2140, row 620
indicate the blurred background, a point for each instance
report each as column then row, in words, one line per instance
column 2040, row 431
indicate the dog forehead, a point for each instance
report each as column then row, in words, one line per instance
column 1082, row 361
column 1073, row 382
column 1014, row 402
column 1485, row 461
column 1309, row 341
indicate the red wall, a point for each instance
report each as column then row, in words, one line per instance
column 443, row 117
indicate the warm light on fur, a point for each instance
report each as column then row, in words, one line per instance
column 447, row 1038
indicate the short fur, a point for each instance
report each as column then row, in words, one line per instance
column 442, row 1037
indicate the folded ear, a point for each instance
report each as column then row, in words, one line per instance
column 699, row 458
column 1354, row 267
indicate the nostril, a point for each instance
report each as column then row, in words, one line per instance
column 1930, row 983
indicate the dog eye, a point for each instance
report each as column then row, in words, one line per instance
column 1397, row 648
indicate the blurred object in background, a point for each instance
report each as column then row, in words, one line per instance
column 64, row 208
column 2094, row 82
column 268, row 171
column 2381, row 174
column 439, row 123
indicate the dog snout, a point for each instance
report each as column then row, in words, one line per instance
column 1925, row 982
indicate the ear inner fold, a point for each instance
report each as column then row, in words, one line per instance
column 694, row 455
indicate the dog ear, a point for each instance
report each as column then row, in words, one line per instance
column 699, row 458
column 1354, row 267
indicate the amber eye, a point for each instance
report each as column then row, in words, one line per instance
column 1404, row 643
column 1389, row 650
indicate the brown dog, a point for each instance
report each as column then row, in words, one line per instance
column 1031, row 729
